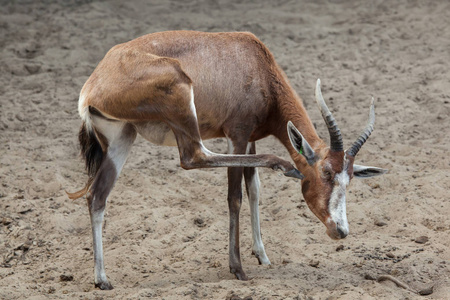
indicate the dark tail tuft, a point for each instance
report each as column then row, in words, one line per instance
column 92, row 153
column 91, row 150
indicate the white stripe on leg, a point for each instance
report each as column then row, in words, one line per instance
column 253, row 198
column 99, row 269
column 253, row 191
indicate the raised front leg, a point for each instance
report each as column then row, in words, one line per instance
column 193, row 154
column 252, row 184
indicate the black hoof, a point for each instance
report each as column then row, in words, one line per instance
column 104, row 286
column 257, row 256
column 240, row 274
column 294, row 173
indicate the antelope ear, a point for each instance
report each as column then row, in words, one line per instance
column 300, row 144
column 365, row 172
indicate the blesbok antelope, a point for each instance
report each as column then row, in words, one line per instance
column 147, row 86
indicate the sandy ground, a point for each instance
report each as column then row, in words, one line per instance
column 397, row 51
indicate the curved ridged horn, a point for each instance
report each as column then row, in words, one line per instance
column 365, row 134
column 336, row 143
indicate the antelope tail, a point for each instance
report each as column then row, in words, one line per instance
column 92, row 153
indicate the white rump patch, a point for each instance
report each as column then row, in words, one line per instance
column 81, row 108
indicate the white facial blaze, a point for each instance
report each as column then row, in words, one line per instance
column 337, row 205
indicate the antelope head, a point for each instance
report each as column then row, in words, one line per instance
column 328, row 170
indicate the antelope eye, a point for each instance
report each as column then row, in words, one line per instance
column 327, row 174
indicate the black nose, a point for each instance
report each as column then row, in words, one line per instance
column 341, row 233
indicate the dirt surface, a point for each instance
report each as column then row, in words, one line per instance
column 396, row 51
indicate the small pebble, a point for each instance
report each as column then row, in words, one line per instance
column 215, row 264
column 390, row 255
column 32, row 69
column 64, row 277
column 314, row 263
column 6, row 221
column 427, row 291
column 232, row 296
column 187, row 239
column 340, row 248
column 380, row 223
column 199, row 222
column 421, row 239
